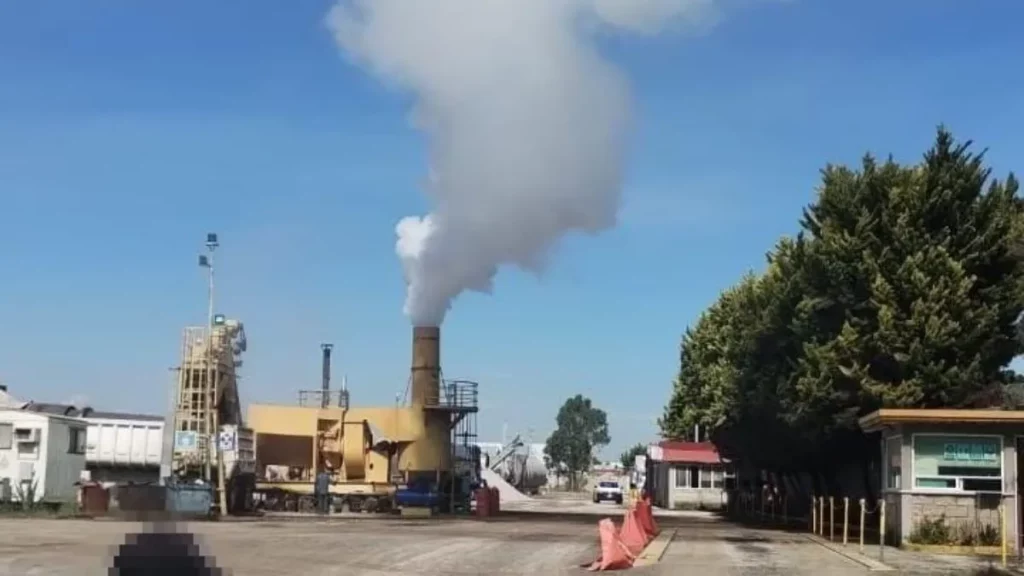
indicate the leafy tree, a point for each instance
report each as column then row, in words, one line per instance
column 903, row 289
column 581, row 429
column 628, row 458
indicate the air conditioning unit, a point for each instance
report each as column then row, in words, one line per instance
column 26, row 435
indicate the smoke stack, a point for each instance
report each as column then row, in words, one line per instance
column 326, row 384
column 426, row 365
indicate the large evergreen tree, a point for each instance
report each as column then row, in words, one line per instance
column 903, row 289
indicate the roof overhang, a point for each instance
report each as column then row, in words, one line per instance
column 885, row 417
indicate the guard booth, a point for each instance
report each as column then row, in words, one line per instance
column 958, row 464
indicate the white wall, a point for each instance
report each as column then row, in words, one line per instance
column 685, row 496
column 47, row 463
column 64, row 460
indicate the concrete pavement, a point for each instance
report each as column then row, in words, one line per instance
column 530, row 539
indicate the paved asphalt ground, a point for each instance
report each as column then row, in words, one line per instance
column 520, row 542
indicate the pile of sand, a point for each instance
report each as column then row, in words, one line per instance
column 507, row 492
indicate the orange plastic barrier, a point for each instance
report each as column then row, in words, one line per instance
column 645, row 515
column 614, row 554
column 632, row 533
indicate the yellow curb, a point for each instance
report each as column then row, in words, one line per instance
column 656, row 549
column 870, row 563
column 955, row 550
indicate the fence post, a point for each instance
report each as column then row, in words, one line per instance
column 821, row 516
column 863, row 503
column 846, row 518
column 881, row 530
column 1002, row 530
column 814, row 514
column 831, row 519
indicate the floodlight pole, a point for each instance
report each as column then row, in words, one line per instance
column 213, row 380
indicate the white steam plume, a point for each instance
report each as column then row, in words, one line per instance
column 527, row 125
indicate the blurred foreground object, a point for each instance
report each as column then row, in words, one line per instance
column 161, row 549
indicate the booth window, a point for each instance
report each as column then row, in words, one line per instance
column 711, row 478
column 76, row 440
column 958, row 463
column 682, row 478
column 894, row 463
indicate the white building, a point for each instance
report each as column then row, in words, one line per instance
column 41, row 455
column 120, row 447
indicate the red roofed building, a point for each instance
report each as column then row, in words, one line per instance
column 686, row 475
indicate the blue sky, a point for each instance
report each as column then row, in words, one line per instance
column 130, row 129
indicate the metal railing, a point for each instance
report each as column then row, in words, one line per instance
column 315, row 398
column 459, row 395
column 837, row 519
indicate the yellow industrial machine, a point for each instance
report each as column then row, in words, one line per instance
column 369, row 452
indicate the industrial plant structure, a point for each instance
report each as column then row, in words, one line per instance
column 207, row 441
column 369, row 452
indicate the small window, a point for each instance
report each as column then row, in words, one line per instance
column 682, row 478
column 894, row 463
column 711, row 478
column 76, row 441
column 6, row 436
column 962, row 463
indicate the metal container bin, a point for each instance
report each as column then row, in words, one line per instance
column 191, row 500
column 94, row 500
column 141, row 498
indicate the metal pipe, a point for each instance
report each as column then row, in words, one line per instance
column 325, row 395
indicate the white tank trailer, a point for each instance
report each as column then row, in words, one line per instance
column 526, row 472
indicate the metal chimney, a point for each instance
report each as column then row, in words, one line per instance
column 426, row 366
column 325, row 395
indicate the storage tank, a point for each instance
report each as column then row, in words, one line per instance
column 527, row 472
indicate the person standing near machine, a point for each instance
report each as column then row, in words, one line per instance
column 322, row 492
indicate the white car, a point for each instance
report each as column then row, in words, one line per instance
column 608, row 490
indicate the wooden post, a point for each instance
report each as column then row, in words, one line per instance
column 881, row 530
column 1002, row 522
column 863, row 502
column 846, row 519
column 831, row 519
column 814, row 514
column 821, row 516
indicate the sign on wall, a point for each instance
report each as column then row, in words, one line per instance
column 957, row 462
column 973, row 452
column 227, row 441
column 185, row 441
